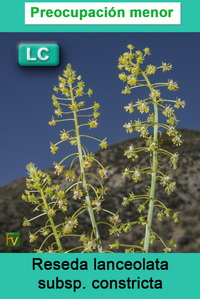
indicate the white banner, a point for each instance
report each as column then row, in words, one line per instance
column 102, row 13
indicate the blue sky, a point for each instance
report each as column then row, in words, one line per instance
column 25, row 98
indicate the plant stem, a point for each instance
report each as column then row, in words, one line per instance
column 83, row 177
column 55, row 233
column 153, row 175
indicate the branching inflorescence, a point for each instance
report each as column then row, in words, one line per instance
column 135, row 76
column 50, row 198
column 51, row 201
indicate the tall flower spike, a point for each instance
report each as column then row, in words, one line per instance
column 72, row 88
column 131, row 63
column 48, row 197
column 40, row 184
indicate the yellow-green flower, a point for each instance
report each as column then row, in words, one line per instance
column 58, row 112
column 62, row 205
column 166, row 66
column 96, row 106
column 115, row 218
column 32, row 238
column 53, row 148
column 93, row 123
column 155, row 94
column 55, row 89
column 79, row 92
column 52, row 122
column 132, row 80
column 147, row 51
column 103, row 172
column 77, row 193
column 172, row 85
column 86, row 164
column 130, row 47
column 150, row 69
column 73, row 141
column 179, row 103
column 177, row 139
column 136, row 175
column 168, row 111
column 70, row 225
column 129, row 108
column 73, row 107
column 123, row 77
column 26, row 222
column 142, row 106
column 130, row 153
column 58, row 168
column 90, row 92
column 64, row 135
column 167, row 250
column 103, row 143
column 129, row 127
column 70, row 175
column 135, row 70
column 51, row 212
column 126, row 90
column 97, row 204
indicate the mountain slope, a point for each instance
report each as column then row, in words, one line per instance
column 185, row 199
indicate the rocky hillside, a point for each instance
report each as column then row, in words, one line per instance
column 186, row 198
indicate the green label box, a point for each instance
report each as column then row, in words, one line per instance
column 38, row 55
column 12, row 239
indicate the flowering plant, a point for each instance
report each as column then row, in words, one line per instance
column 49, row 198
column 135, row 75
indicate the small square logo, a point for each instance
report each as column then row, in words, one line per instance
column 13, row 239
